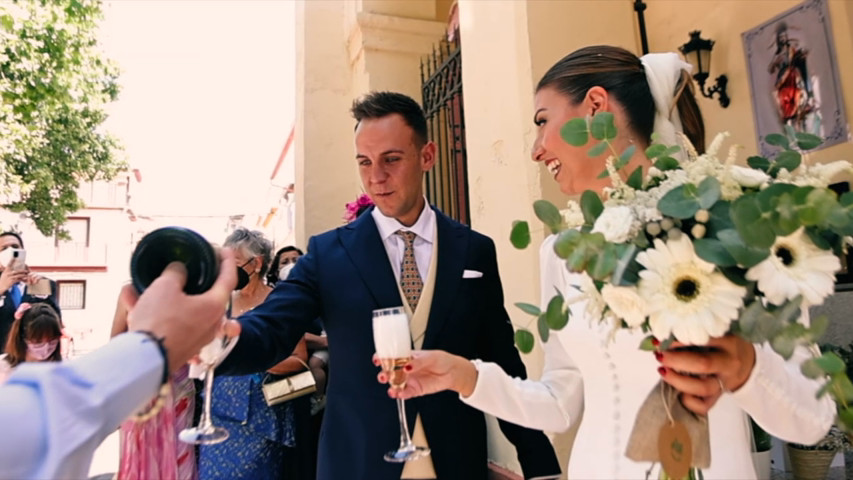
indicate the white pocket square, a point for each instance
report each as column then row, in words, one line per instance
column 471, row 274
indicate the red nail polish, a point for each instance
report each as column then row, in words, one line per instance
column 662, row 371
column 658, row 356
column 408, row 367
column 655, row 342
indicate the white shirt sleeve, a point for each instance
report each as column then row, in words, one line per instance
column 554, row 402
column 782, row 400
column 54, row 415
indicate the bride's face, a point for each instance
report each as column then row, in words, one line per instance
column 570, row 166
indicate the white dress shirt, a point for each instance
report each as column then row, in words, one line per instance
column 617, row 378
column 395, row 246
column 54, row 415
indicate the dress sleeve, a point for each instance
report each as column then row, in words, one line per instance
column 55, row 415
column 552, row 403
column 782, row 400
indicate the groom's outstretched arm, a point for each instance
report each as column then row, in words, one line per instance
column 535, row 452
column 271, row 330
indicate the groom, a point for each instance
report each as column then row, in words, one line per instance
column 450, row 286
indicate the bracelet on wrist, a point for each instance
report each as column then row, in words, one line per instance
column 155, row 406
column 162, row 348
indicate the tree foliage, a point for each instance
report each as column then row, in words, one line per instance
column 54, row 85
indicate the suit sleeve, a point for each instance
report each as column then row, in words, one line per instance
column 535, row 452
column 270, row 331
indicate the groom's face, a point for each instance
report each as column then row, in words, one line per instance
column 391, row 164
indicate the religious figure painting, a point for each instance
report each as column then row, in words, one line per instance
column 793, row 75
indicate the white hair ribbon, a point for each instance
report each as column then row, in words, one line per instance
column 663, row 70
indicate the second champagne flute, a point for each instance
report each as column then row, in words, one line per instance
column 393, row 343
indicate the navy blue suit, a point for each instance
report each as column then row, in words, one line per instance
column 345, row 276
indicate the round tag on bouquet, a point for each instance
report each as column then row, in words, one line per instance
column 675, row 449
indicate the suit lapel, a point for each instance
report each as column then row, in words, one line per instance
column 452, row 247
column 364, row 246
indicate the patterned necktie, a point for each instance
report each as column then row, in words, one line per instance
column 15, row 295
column 410, row 278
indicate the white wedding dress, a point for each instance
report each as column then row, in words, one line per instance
column 602, row 382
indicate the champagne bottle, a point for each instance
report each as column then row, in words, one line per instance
column 165, row 245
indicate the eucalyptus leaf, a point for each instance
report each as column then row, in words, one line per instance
column 602, row 265
column 655, row 150
column 666, row 163
column 818, row 326
column 830, row 363
column 575, row 132
column 602, row 126
column 778, row 140
column 811, row 369
column 627, row 268
column 557, row 314
column 520, row 234
column 566, row 242
column 591, row 206
column 708, row 192
column 746, row 256
column 548, row 214
column 753, row 227
column 789, row 160
column 648, row 344
column 790, row 132
column 625, row 156
column 784, row 346
column 635, row 180
column 807, row 141
column 713, row 251
column 680, row 202
column 597, row 150
column 757, row 162
column 529, row 308
column 542, row 326
column 735, row 275
column 524, row 340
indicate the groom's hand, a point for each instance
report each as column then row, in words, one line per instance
column 432, row 371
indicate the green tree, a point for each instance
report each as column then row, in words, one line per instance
column 54, row 86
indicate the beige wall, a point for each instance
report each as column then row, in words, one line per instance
column 669, row 22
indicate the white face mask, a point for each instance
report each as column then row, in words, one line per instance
column 40, row 351
column 284, row 271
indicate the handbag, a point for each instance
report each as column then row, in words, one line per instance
column 289, row 387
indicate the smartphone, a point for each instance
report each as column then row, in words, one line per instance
column 40, row 289
column 19, row 259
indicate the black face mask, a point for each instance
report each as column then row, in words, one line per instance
column 242, row 277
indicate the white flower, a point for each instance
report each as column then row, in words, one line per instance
column 796, row 267
column 686, row 297
column 573, row 214
column 626, row 303
column 748, row 177
column 615, row 223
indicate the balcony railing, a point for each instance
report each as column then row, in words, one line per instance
column 66, row 254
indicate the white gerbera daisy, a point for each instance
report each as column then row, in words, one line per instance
column 796, row 266
column 686, row 297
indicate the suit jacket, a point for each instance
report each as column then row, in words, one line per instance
column 7, row 309
column 345, row 276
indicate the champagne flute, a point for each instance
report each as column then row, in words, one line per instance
column 206, row 433
column 394, row 349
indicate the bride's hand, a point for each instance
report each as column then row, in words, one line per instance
column 432, row 371
column 703, row 376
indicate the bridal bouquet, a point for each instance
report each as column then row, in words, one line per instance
column 702, row 247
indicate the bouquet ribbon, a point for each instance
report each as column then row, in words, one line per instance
column 666, row 432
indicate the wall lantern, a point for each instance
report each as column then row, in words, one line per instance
column 697, row 52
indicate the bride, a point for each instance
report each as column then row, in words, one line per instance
column 587, row 374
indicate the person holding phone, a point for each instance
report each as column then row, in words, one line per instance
column 18, row 284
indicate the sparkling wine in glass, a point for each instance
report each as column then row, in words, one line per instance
column 206, row 433
column 393, row 343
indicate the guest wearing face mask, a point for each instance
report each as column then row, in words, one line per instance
column 264, row 441
column 283, row 262
column 33, row 337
